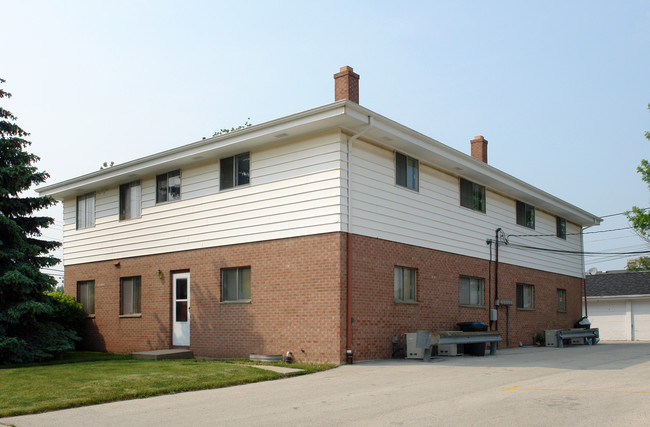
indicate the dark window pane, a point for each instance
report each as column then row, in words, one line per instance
column 181, row 311
column 400, row 169
column 181, row 289
column 161, row 188
column 466, row 194
column 227, row 173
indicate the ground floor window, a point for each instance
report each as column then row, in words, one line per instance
column 236, row 284
column 525, row 296
column 471, row 291
column 561, row 300
column 405, row 279
column 130, row 290
column 86, row 296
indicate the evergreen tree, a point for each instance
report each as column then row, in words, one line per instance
column 27, row 329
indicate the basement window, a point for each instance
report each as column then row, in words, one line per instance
column 525, row 294
column 561, row 300
column 471, row 291
column 405, row 282
column 236, row 284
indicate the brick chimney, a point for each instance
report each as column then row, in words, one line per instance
column 479, row 148
column 346, row 85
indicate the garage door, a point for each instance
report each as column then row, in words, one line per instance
column 610, row 317
column 641, row 319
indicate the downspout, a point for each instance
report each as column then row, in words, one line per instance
column 582, row 262
column 348, row 298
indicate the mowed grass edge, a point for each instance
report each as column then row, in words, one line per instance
column 40, row 388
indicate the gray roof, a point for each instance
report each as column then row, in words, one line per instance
column 623, row 283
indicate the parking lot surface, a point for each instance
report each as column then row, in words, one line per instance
column 606, row 384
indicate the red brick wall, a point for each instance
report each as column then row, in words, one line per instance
column 298, row 298
column 296, row 291
column 377, row 317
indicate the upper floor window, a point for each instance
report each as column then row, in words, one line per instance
column 472, row 195
column 86, row 296
column 85, row 210
column 236, row 284
column 405, row 282
column 130, row 291
column 235, row 171
column 525, row 294
column 560, row 227
column 130, row 200
column 168, row 186
column 471, row 291
column 407, row 171
column 525, row 215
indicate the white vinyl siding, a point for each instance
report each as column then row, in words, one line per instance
column 300, row 188
column 433, row 217
column 297, row 191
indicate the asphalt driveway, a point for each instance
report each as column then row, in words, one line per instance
column 607, row 384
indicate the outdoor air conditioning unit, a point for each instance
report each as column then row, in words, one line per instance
column 550, row 337
column 412, row 352
column 448, row 350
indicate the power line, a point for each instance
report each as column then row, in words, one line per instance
column 563, row 251
column 569, row 234
column 620, row 213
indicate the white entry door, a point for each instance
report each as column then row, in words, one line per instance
column 181, row 309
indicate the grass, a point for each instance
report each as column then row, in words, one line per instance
column 84, row 378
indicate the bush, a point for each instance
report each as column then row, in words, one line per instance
column 67, row 312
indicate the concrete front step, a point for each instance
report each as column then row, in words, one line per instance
column 173, row 353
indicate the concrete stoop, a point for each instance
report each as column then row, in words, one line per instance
column 174, row 353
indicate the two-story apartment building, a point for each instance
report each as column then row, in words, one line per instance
column 329, row 230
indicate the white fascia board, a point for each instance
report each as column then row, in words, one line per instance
column 396, row 136
column 616, row 297
column 306, row 122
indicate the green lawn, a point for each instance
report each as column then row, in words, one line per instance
column 86, row 378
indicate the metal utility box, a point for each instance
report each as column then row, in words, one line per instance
column 412, row 352
column 448, row 350
column 550, row 337
column 577, row 341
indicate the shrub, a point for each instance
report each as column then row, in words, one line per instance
column 67, row 311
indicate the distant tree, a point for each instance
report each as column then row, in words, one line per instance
column 638, row 264
column 640, row 218
column 244, row 126
column 107, row 165
column 27, row 330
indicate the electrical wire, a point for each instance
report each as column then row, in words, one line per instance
column 563, row 251
column 570, row 234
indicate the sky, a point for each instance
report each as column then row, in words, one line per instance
column 559, row 89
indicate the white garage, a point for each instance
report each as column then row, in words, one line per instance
column 618, row 303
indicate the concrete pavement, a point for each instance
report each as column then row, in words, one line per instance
column 607, row 384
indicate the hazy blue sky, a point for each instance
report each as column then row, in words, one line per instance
column 559, row 88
